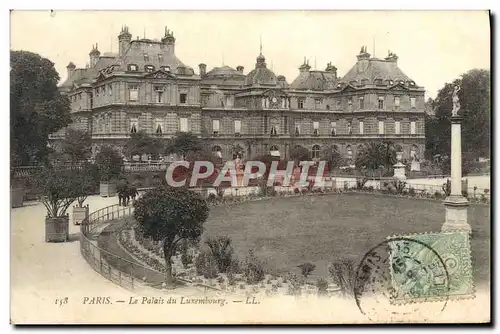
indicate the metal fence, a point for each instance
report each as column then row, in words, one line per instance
column 124, row 272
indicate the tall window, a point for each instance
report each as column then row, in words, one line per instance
column 380, row 127
column 361, row 127
column 349, row 102
column 333, row 128
column 297, row 130
column 397, row 127
column 183, row 124
column 274, row 130
column 183, row 98
column 134, row 125
column 133, row 92
column 158, row 127
column 349, row 128
column 110, row 89
column 237, row 126
column 158, row 94
column 316, row 128
column 361, row 102
column 413, row 128
column 316, row 151
column 338, row 104
column 317, row 103
column 397, row 101
column 215, row 126
column 301, row 103
column 146, row 57
column 381, row 102
column 160, row 58
column 413, row 102
column 149, row 68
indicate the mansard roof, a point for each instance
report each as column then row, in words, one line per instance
column 314, row 80
column 373, row 69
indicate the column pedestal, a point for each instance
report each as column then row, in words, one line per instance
column 456, row 214
column 455, row 204
column 399, row 171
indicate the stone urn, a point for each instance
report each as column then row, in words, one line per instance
column 57, row 229
column 80, row 213
column 107, row 189
column 17, row 197
column 399, row 167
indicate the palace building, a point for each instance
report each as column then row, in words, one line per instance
column 145, row 87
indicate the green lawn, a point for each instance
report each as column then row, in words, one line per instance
column 285, row 232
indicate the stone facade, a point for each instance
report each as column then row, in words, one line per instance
column 145, row 87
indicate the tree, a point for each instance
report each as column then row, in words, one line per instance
column 300, row 153
column 170, row 215
column 475, row 108
column 60, row 186
column 142, row 143
column 183, row 143
column 87, row 180
column 110, row 163
column 222, row 251
column 37, row 108
column 373, row 155
column 77, row 145
column 332, row 157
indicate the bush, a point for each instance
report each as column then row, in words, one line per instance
column 447, row 188
column 399, row 186
column 411, row 192
column 343, row 275
column 296, row 191
column 294, row 284
column 307, row 268
column 322, row 285
column 206, row 265
column 437, row 195
column 253, row 269
column 222, row 251
column 360, row 182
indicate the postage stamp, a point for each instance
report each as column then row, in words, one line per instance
column 376, row 294
column 417, row 271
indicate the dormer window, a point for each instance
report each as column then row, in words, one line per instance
column 378, row 81
column 149, row 68
column 146, row 57
column 159, row 128
column 412, row 83
column 402, row 82
column 349, row 101
column 132, row 68
column 160, row 58
column 166, row 68
column 339, row 86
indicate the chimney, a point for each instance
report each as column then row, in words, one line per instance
column 305, row 66
column 94, row 55
column 124, row 39
column 363, row 60
column 240, row 69
column 331, row 69
column 71, row 69
column 392, row 57
column 203, row 69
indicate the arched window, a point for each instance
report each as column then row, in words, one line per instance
column 315, row 151
column 274, row 151
column 217, row 151
column 349, row 151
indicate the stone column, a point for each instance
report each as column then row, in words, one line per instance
column 455, row 204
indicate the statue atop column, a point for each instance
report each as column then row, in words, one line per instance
column 456, row 101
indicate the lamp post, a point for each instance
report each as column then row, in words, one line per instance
column 455, row 204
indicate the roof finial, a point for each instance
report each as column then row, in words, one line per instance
column 144, row 27
column 166, row 30
column 261, row 44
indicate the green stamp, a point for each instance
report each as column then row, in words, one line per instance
column 431, row 267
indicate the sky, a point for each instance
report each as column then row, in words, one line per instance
column 434, row 47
